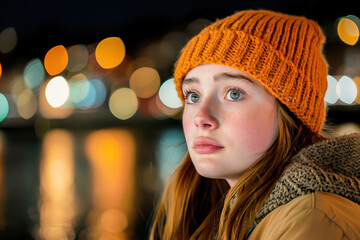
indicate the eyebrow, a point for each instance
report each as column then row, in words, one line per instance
column 220, row 77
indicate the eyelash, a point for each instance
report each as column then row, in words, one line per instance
column 188, row 92
column 236, row 89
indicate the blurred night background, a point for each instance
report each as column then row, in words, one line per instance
column 90, row 124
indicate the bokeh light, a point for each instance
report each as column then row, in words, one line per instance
column 331, row 95
column 175, row 113
column 49, row 112
column 0, row 70
column 34, row 73
column 110, row 52
column 57, row 91
column 111, row 154
column 56, row 60
column 170, row 151
column 101, row 92
column 357, row 83
column 168, row 94
column 4, row 107
column 79, row 88
column 78, row 58
column 27, row 104
column 346, row 90
column 8, row 40
column 85, row 94
column 145, row 82
column 17, row 86
column 123, row 103
column 58, row 204
column 348, row 29
column 89, row 100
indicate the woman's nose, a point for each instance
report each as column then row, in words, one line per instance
column 205, row 117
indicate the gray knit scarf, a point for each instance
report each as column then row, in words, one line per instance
column 329, row 166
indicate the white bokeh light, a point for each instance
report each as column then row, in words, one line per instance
column 168, row 94
column 331, row 95
column 57, row 92
column 346, row 90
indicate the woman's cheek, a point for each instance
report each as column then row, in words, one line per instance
column 186, row 121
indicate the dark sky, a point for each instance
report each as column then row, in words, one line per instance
column 40, row 25
column 43, row 24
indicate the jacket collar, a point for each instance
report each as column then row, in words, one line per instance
column 328, row 166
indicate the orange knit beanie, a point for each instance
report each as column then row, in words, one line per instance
column 282, row 52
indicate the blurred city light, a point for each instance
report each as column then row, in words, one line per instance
column 145, row 82
column 26, row 104
column 100, row 92
column 78, row 58
column 168, row 94
column 346, row 90
column 34, row 73
column 17, row 86
column 4, row 107
column 48, row 111
column 57, row 203
column 8, row 40
column 357, row 83
column 79, row 88
column 171, row 150
column 348, row 29
column 56, row 60
column 331, row 95
column 57, row 91
column 110, row 52
column 123, row 103
column 111, row 153
column 171, row 112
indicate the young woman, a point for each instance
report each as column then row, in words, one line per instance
column 258, row 166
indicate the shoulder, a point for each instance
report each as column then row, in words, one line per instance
column 318, row 215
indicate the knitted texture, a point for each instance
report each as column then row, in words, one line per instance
column 329, row 166
column 282, row 52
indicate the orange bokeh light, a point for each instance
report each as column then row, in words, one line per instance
column 111, row 153
column 110, row 52
column 357, row 83
column 0, row 69
column 348, row 31
column 56, row 60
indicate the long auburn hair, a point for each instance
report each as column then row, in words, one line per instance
column 195, row 207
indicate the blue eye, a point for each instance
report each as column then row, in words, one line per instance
column 193, row 97
column 234, row 94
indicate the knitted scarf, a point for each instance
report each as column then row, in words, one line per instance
column 330, row 166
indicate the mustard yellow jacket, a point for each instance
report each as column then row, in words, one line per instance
column 316, row 197
column 320, row 216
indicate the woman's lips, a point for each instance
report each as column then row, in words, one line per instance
column 205, row 145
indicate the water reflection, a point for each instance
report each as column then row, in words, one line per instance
column 57, row 203
column 111, row 154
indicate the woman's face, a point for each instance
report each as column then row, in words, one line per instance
column 229, row 120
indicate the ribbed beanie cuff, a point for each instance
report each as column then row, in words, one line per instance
column 282, row 52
